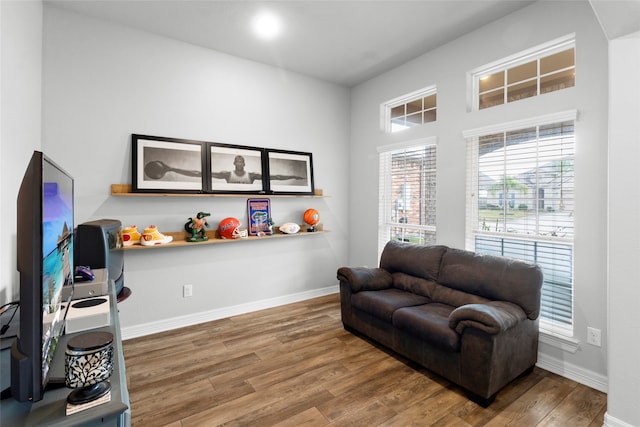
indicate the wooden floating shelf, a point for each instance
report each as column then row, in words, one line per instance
column 124, row 190
column 180, row 239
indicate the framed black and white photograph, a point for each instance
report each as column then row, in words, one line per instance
column 236, row 169
column 167, row 165
column 290, row 172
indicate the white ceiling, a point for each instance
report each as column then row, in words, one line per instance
column 345, row 42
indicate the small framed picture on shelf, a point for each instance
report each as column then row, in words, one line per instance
column 259, row 217
column 167, row 165
column 290, row 172
column 236, row 169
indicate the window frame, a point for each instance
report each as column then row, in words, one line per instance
column 386, row 124
column 562, row 333
column 536, row 53
column 385, row 191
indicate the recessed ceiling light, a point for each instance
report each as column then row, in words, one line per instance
column 266, row 25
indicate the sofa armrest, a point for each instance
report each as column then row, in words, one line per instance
column 492, row 317
column 364, row 278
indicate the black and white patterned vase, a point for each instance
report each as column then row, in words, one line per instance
column 88, row 364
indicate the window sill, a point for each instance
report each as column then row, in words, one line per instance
column 564, row 343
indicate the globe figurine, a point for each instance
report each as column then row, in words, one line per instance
column 311, row 217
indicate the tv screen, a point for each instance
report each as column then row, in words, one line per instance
column 45, row 262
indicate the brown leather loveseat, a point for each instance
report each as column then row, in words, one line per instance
column 473, row 319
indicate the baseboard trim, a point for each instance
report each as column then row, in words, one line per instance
column 221, row 313
column 573, row 372
column 610, row 421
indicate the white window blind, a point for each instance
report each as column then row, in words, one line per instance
column 520, row 191
column 407, row 199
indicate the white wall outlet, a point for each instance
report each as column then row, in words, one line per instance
column 594, row 336
column 187, row 291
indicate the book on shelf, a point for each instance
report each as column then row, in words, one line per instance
column 73, row 409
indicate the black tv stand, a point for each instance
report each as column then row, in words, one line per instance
column 50, row 410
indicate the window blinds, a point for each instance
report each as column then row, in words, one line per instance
column 520, row 192
column 407, row 199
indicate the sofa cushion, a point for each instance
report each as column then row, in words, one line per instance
column 415, row 260
column 413, row 284
column 383, row 303
column 429, row 322
column 435, row 291
column 494, row 277
column 454, row 297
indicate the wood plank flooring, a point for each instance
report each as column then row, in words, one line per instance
column 295, row 366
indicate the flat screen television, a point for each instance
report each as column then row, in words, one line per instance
column 45, row 239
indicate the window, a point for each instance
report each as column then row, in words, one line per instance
column 407, row 201
column 541, row 70
column 520, row 191
column 410, row 110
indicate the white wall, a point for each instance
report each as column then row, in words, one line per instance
column 447, row 68
column 20, row 120
column 624, row 235
column 104, row 82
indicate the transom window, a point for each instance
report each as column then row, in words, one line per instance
column 410, row 110
column 407, row 199
column 541, row 70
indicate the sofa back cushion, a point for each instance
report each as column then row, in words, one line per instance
column 413, row 284
column 493, row 277
column 436, row 292
column 415, row 260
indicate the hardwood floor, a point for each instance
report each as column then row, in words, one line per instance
column 296, row 366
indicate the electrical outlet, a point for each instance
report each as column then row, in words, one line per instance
column 594, row 336
column 187, row 291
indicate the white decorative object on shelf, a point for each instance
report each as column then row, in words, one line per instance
column 290, row 228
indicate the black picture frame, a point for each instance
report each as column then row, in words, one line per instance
column 289, row 172
column 168, row 165
column 236, row 169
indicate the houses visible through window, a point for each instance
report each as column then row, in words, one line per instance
column 407, row 200
column 520, row 191
column 541, row 70
column 410, row 110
